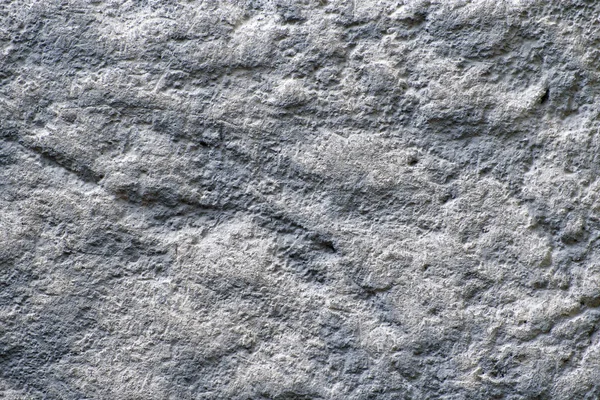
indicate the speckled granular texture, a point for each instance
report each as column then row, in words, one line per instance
column 276, row 199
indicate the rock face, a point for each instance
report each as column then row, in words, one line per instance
column 276, row 199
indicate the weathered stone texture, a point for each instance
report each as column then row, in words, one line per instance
column 277, row 199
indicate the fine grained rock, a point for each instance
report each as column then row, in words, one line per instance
column 276, row 199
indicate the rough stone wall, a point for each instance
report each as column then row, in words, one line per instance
column 316, row 199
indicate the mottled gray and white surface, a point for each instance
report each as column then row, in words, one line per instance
column 276, row 199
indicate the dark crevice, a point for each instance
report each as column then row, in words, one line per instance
column 545, row 97
column 55, row 158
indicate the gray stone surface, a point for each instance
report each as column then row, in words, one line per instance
column 276, row 199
